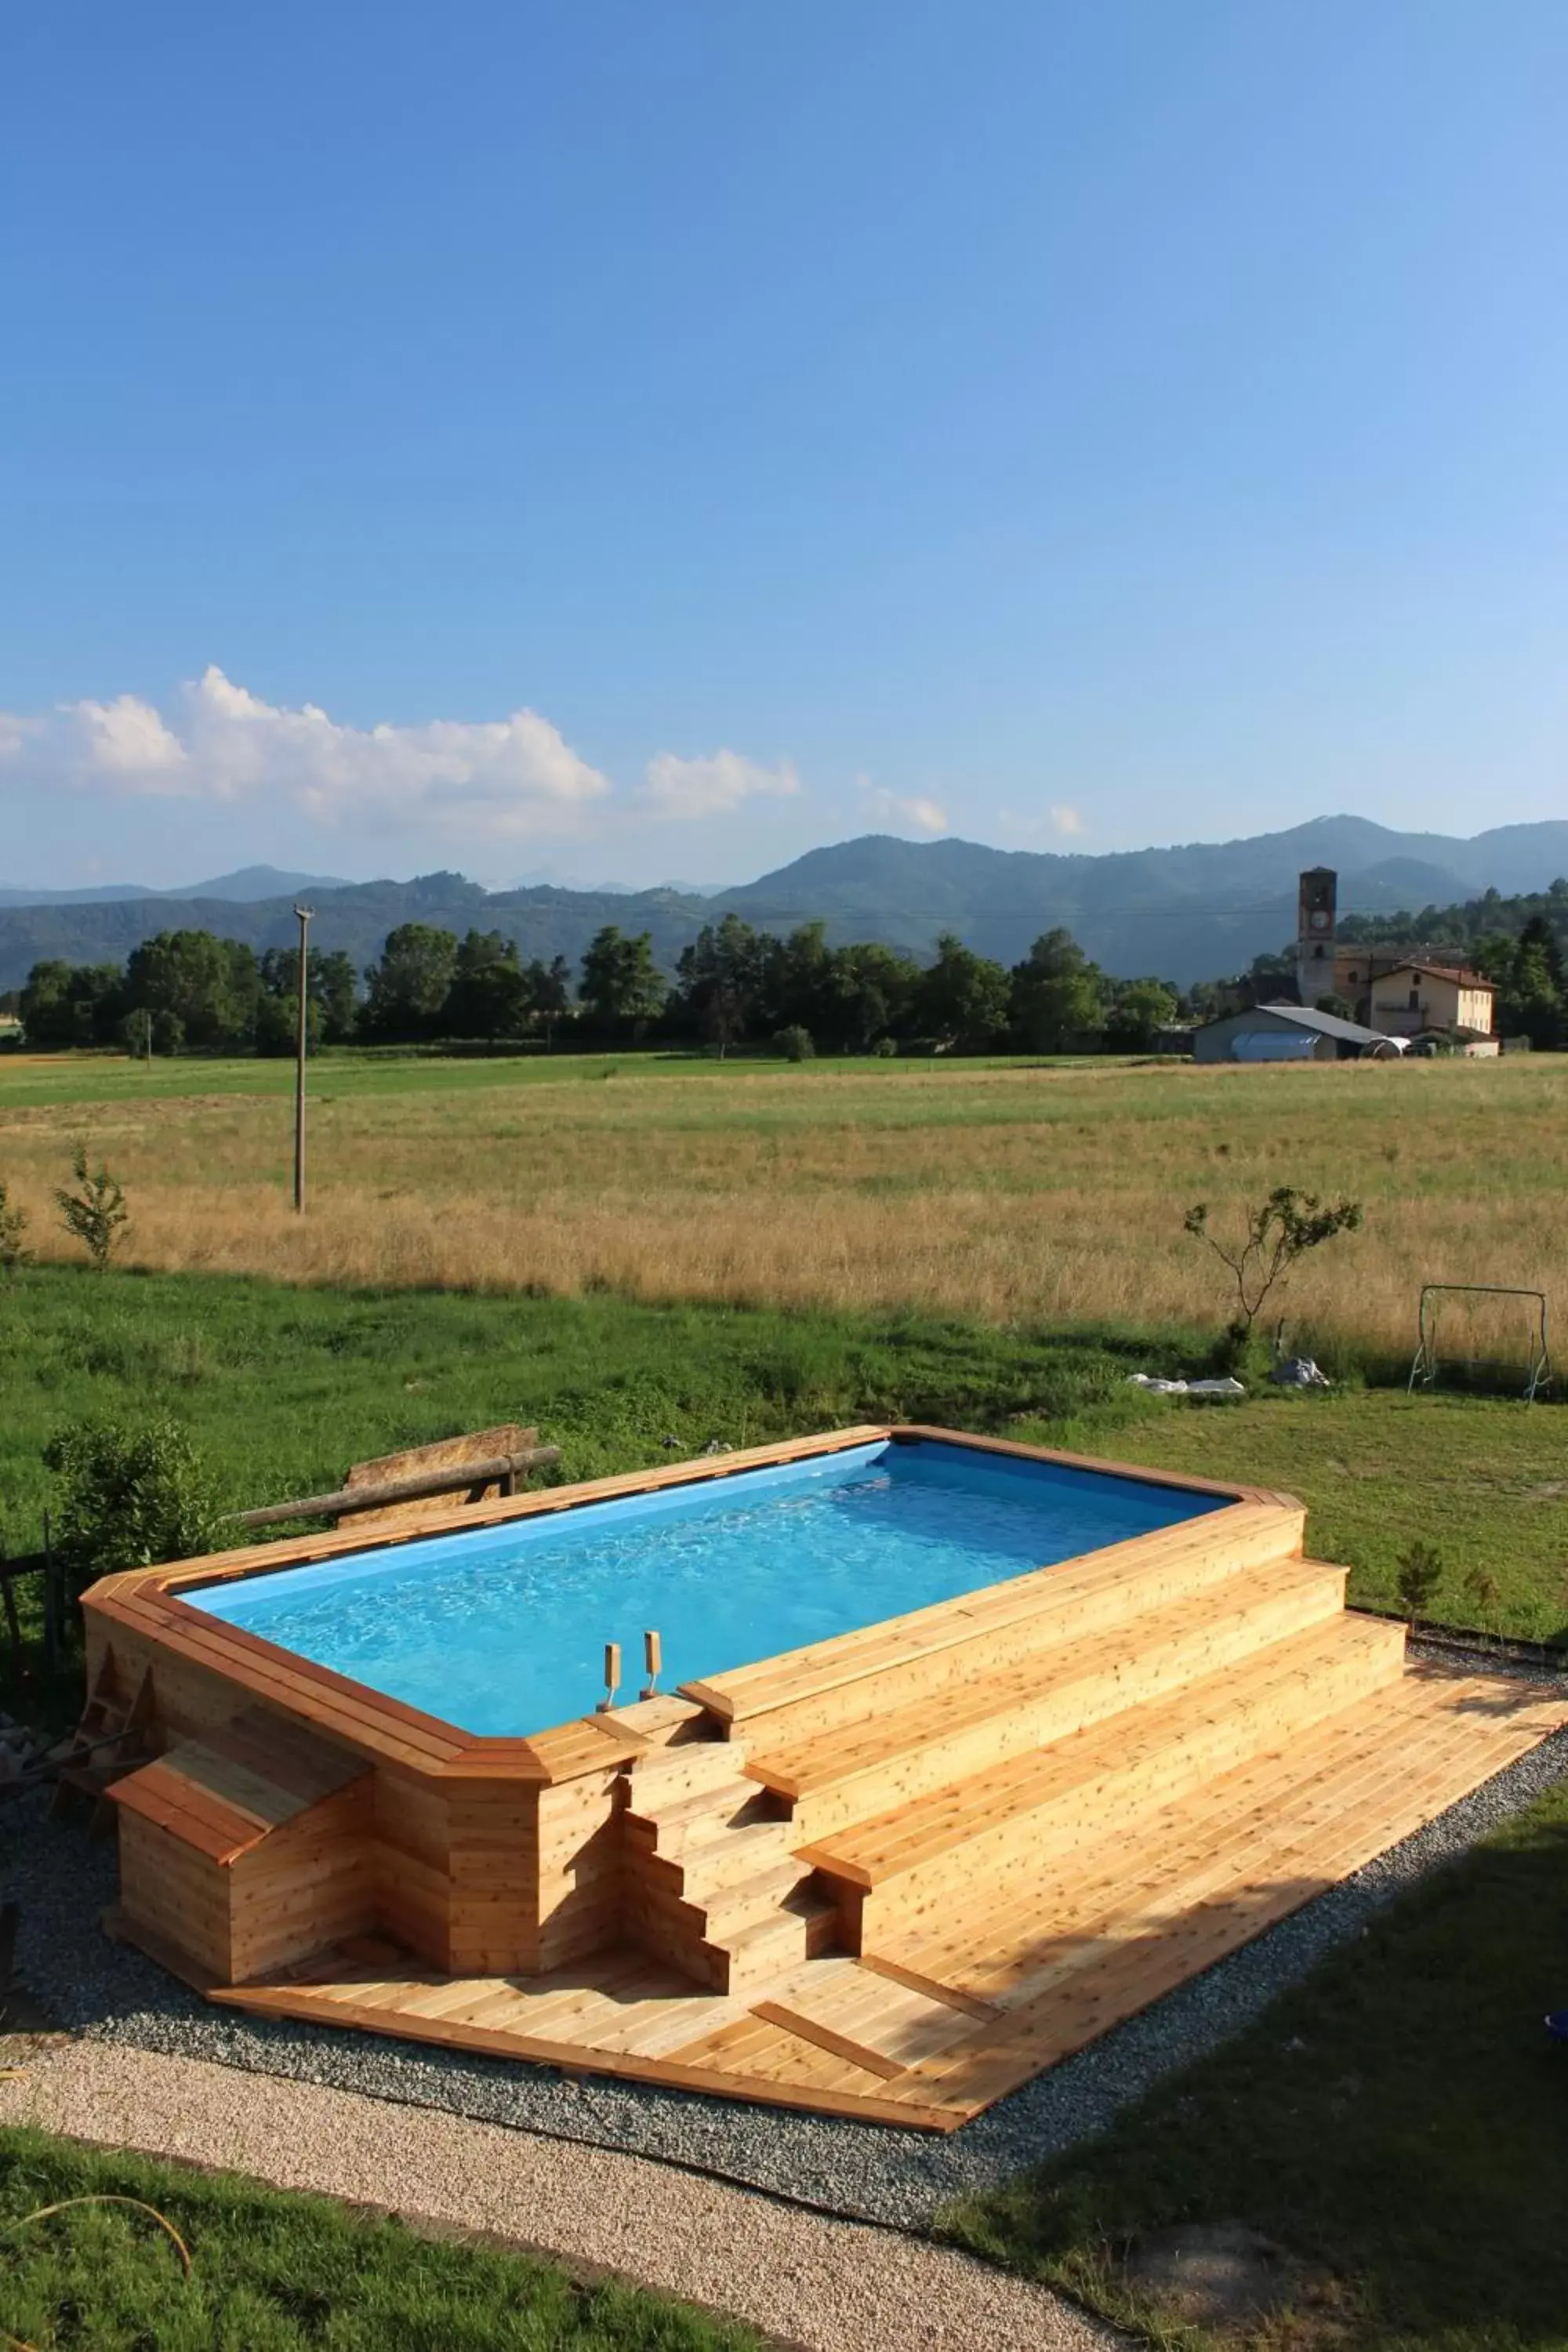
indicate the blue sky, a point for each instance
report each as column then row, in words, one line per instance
column 639, row 441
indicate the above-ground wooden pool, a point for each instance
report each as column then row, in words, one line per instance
column 974, row 1750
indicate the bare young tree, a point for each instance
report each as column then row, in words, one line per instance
column 1274, row 1234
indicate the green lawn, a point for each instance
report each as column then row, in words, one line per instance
column 283, row 1387
column 274, row 2272
column 1483, row 1480
column 1398, row 2123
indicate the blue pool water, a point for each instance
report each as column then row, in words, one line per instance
column 502, row 1630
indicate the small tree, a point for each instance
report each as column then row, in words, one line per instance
column 1483, row 1593
column 1279, row 1232
column 129, row 1498
column 1420, row 1574
column 795, row 1044
column 14, row 1251
column 96, row 1215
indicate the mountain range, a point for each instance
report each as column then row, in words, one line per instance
column 1192, row 912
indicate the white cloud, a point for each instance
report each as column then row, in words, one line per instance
column 916, row 815
column 219, row 742
column 674, row 787
column 1066, row 820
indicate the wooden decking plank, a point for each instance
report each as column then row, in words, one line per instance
column 828, row 2090
column 810, row 2029
column 1236, row 1815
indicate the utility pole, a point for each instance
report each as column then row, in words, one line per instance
column 304, row 914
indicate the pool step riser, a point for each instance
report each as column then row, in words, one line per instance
column 1107, row 1804
column 686, row 1768
column 1064, row 1703
column 747, row 1806
column 1117, row 1598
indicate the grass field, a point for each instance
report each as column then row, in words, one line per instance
column 282, row 1388
column 1397, row 2127
column 271, row 2273
column 1019, row 1193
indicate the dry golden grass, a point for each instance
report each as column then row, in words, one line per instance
column 1005, row 1192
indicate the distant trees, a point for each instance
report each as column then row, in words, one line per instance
column 720, row 976
column 1528, row 970
column 488, row 996
column 623, row 989
column 406, row 989
column 72, row 1004
column 733, row 985
column 1058, row 996
column 962, row 1000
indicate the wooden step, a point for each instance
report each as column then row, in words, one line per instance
column 753, row 1956
column 856, row 1772
column 698, row 1871
column 693, row 1819
column 859, row 1675
column 740, row 1902
column 683, row 1768
column 953, row 1846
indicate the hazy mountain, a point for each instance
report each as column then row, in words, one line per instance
column 1188, row 912
column 356, row 917
column 1191, row 912
column 250, row 883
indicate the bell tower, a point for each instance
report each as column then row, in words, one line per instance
column 1315, row 934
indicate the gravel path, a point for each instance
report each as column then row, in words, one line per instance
column 831, row 2285
column 866, row 2170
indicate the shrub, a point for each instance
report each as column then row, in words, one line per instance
column 886, row 1048
column 128, row 1499
column 795, row 1044
column 96, row 1215
column 1420, row 1574
column 14, row 1251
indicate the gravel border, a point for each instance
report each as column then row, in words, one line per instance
column 868, row 2171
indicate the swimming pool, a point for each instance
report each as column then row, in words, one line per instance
column 499, row 1631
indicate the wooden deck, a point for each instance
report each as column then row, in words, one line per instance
column 891, row 1875
column 929, row 2027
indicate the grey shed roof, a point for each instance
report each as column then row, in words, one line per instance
column 1327, row 1025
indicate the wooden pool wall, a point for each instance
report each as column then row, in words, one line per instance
column 483, row 1856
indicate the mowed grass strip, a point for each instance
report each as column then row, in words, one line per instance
column 1020, row 1193
column 1396, row 2127
column 1481, row 1480
column 277, row 2273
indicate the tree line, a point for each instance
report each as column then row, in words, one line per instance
column 733, row 987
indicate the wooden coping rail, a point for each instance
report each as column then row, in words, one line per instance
column 503, row 1468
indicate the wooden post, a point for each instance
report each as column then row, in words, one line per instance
column 53, row 1612
column 612, row 1677
column 652, row 1659
column 304, row 915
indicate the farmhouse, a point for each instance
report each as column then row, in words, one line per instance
column 1289, row 1033
column 1413, row 998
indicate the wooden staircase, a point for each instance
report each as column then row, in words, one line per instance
column 942, row 1767
column 712, row 1884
